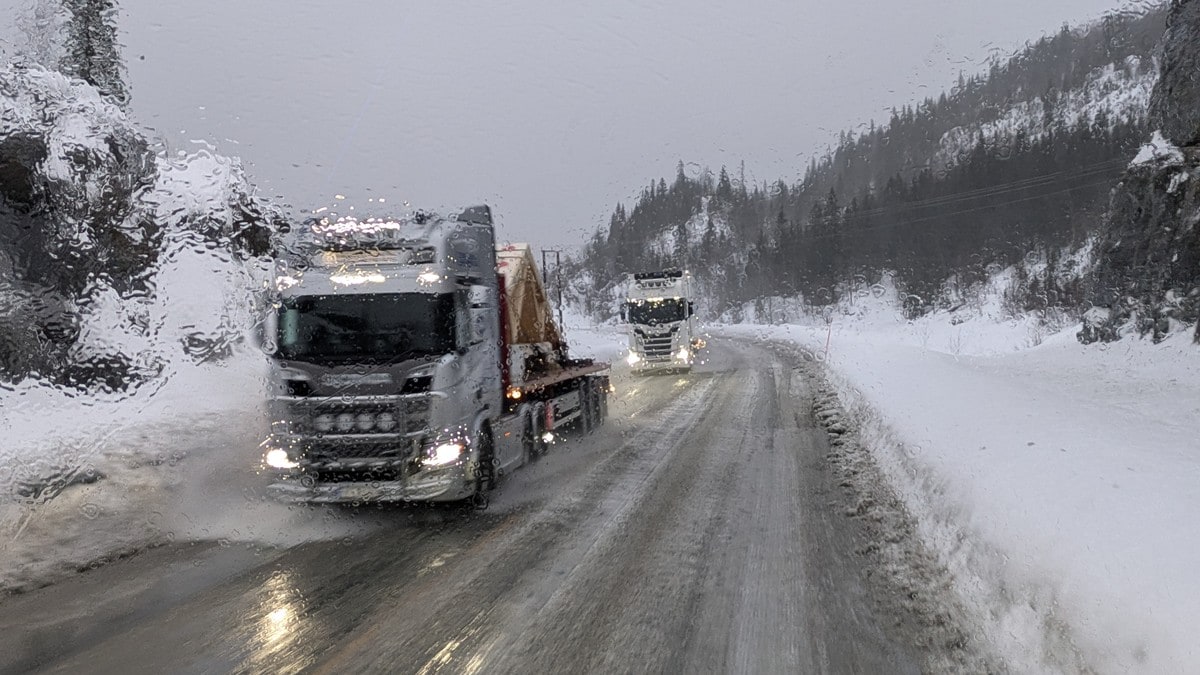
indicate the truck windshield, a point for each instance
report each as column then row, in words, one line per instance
column 653, row 312
column 370, row 328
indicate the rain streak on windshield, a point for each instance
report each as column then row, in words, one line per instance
column 638, row 337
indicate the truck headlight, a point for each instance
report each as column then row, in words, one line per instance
column 632, row 359
column 280, row 460
column 445, row 453
column 683, row 354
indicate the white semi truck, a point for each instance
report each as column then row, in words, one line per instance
column 413, row 360
column 660, row 312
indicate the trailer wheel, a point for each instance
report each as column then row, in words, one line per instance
column 598, row 402
column 529, row 437
column 538, row 424
column 584, row 423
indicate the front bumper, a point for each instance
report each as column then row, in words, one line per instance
column 364, row 468
column 661, row 365
column 434, row 485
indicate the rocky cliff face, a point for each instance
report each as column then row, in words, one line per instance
column 1147, row 273
column 1175, row 103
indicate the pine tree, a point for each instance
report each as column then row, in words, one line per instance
column 92, row 52
column 724, row 187
column 681, row 245
column 708, row 243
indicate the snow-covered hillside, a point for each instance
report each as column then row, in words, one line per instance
column 1116, row 93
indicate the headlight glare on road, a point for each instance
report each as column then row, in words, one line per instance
column 445, row 453
column 280, row 460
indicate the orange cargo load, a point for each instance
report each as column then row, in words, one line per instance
column 530, row 320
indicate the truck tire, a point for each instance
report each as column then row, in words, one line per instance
column 584, row 423
column 592, row 412
column 603, row 383
column 529, row 436
column 598, row 402
column 486, row 473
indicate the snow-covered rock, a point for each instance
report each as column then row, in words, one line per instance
column 1158, row 151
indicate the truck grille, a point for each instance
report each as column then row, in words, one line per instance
column 657, row 348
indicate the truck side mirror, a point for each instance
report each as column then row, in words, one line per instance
column 691, row 308
column 480, row 303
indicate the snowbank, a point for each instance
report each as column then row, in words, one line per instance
column 588, row 340
column 1056, row 482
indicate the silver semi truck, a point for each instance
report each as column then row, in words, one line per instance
column 659, row 311
column 414, row 360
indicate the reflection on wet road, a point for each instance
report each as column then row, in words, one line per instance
column 692, row 533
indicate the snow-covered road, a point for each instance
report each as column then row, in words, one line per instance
column 700, row 530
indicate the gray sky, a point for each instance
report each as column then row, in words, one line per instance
column 551, row 111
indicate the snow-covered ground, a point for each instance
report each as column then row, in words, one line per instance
column 1058, row 482
column 587, row 340
column 135, row 456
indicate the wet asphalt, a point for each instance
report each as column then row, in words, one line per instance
column 698, row 531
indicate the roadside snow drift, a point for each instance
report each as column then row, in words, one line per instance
column 1058, row 483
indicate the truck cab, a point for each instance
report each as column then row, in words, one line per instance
column 659, row 310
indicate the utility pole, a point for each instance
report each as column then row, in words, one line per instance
column 546, row 252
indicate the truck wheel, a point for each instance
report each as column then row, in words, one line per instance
column 598, row 396
column 486, row 473
column 584, row 423
column 594, row 395
column 529, row 437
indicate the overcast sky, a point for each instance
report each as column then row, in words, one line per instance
column 551, row 111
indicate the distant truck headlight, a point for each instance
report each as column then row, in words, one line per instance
column 632, row 359
column 280, row 460
column 446, row 453
column 386, row 421
column 323, row 423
